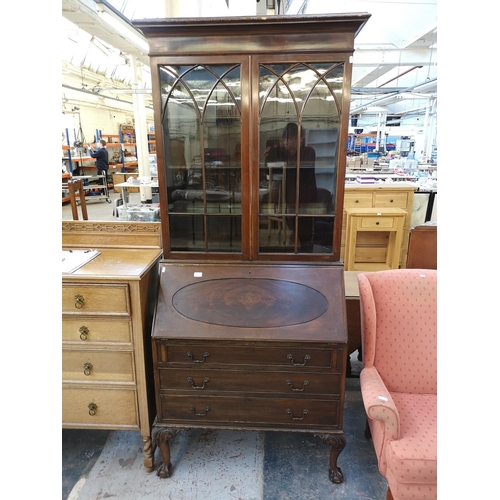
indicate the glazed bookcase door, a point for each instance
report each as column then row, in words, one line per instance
column 299, row 128
column 202, row 117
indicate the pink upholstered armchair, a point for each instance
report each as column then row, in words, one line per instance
column 399, row 377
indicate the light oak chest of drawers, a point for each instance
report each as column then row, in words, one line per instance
column 372, row 246
column 107, row 310
column 255, row 347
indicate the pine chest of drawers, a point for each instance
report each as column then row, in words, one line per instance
column 250, row 346
column 107, row 311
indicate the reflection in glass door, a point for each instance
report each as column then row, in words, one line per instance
column 201, row 121
column 300, row 107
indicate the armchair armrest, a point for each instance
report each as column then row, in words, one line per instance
column 378, row 402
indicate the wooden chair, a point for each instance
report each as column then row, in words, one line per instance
column 76, row 186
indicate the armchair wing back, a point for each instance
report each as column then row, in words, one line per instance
column 399, row 325
column 399, row 377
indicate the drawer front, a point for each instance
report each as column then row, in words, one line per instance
column 378, row 222
column 396, row 200
column 265, row 412
column 102, row 298
column 211, row 354
column 97, row 366
column 204, row 381
column 87, row 330
column 360, row 200
column 114, row 407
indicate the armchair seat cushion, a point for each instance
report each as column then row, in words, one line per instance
column 412, row 459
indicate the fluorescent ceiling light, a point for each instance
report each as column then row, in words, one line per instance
column 127, row 32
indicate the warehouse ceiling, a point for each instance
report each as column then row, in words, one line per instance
column 394, row 64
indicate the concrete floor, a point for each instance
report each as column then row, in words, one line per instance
column 220, row 465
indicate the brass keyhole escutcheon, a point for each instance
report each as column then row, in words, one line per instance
column 92, row 409
column 87, row 369
column 84, row 332
column 79, row 301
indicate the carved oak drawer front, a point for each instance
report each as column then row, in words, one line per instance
column 378, row 222
column 97, row 366
column 99, row 406
column 87, row 330
column 211, row 354
column 96, row 298
column 198, row 380
column 395, row 200
column 259, row 411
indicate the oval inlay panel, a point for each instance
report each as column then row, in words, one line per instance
column 250, row 302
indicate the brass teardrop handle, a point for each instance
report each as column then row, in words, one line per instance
column 205, row 381
column 304, row 384
column 304, row 413
column 87, row 368
column 291, row 358
column 189, row 354
column 207, row 409
column 84, row 332
column 92, row 409
column 79, row 301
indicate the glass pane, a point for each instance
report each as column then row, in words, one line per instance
column 186, row 233
column 224, row 233
column 276, row 234
column 201, row 118
column 299, row 130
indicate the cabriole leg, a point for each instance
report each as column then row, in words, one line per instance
column 161, row 437
column 337, row 444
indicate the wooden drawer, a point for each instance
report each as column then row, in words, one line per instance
column 115, row 407
column 97, row 366
column 200, row 380
column 265, row 412
column 96, row 298
column 361, row 200
column 88, row 330
column 375, row 223
column 208, row 354
column 395, row 200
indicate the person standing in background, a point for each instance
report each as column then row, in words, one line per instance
column 101, row 156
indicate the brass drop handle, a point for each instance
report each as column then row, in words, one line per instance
column 291, row 358
column 205, row 381
column 304, row 384
column 304, row 413
column 92, row 409
column 84, row 332
column 87, row 368
column 79, row 301
column 189, row 354
column 207, row 409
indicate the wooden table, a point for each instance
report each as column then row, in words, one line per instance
column 250, row 347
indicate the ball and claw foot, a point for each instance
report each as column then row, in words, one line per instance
column 336, row 475
column 163, row 470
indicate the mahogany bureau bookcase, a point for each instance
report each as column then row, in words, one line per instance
column 250, row 323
